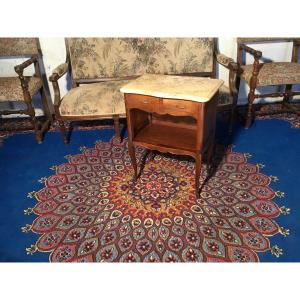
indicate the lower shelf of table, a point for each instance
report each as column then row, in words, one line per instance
column 167, row 137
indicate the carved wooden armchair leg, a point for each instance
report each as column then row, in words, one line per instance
column 48, row 113
column 286, row 98
column 63, row 130
column 234, row 95
column 35, row 123
column 49, row 119
column 56, row 75
column 232, row 115
column 253, row 80
column 250, row 112
column 117, row 127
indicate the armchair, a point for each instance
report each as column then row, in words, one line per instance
column 23, row 88
column 260, row 74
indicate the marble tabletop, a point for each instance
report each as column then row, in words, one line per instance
column 199, row 89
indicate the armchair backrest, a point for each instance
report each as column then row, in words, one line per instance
column 257, row 40
column 264, row 40
column 19, row 46
column 93, row 58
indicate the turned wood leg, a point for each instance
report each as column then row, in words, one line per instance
column 117, row 127
column 133, row 159
column 153, row 153
column 232, row 114
column 249, row 117
column 198, row 161
column 34, row 122
column 286, row 99
column 45, row 105
column 63, row 131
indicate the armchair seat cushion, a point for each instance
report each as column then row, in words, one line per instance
column 94, row 99
column 276, row 73
column 11, row 89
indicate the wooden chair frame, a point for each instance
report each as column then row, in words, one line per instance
column 39, row 127
column 242, row 48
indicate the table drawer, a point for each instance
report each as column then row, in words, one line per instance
column 178, row 107
column 143, row 102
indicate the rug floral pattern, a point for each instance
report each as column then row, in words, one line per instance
column 293, row 119
column 91, row 210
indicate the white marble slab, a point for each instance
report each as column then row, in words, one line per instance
column 199, row 89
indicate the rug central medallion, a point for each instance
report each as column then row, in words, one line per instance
column 92, row 210
column 163, row 190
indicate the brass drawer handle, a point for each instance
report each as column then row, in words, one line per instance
column 180, row 107
column 146, row 102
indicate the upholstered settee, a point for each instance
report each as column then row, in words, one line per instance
column 99, row 67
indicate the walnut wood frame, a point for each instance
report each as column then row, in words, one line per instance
column 150, row 125
column 287, row 94
column 39, row 128
column 230, row 65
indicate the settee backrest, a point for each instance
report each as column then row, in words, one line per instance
column 93, row 58
column 18, row 46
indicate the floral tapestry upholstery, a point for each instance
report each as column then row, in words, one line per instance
column 61, row 69
column 94, row 99
column 224, row 96
column 105, row 98
column 18, row 46
column 276, row 73
column 11, row 90
column 121, row 57
column 224, row 60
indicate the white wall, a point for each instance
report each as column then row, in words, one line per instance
column 54, row 53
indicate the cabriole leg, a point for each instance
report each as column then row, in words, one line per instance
column 198, row 163
column 133, row 159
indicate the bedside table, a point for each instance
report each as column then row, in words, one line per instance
column 175, row 114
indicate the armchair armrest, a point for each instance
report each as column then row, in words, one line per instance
column 20, row 68
column 229, row 63
column 226, row 61
column 255, row 53
column 59, row 71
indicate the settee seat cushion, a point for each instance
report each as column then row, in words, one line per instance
column 11, row 89
column 94, row 99
column 105, row 98
column 275, row 73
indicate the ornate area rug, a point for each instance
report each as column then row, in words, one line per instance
column 91, row 210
